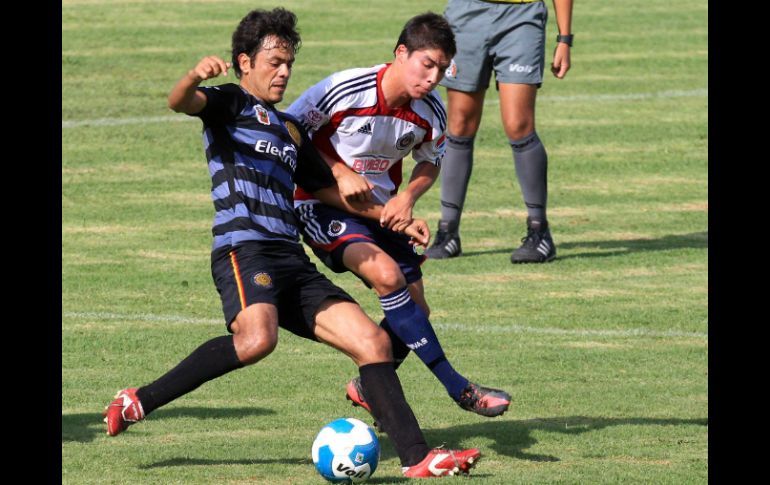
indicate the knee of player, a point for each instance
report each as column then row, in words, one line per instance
column 517, row 129
column 374, row 347
column 388, row 279
column 252, row 348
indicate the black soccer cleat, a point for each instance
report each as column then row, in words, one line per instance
column 537, row 246
column 484, row 401
column 446, row 245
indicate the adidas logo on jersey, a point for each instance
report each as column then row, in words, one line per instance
column 366, row 129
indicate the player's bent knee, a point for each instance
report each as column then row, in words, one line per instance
column 373, row 347
column 253, row 348
column 388, row 280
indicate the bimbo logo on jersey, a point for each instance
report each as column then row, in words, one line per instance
column 287, row 156
column 370, row 165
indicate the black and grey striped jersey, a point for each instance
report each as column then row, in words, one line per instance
column 255, row 156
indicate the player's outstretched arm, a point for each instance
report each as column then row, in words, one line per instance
column 352, row 186
column 417, row 229
column 184, row 97
column 332, row 196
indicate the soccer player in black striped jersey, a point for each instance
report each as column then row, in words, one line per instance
column 255, row 156
column 365, row 121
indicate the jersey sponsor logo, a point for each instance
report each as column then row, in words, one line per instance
column 314, row 118
column 520, row 68
column 420, row 343
column 262, row 279
column 336, row 228
column 370, row 165
column 451, row 71
column 262, row 115
column 293, row 132
column 406, row 141
column 287, row 156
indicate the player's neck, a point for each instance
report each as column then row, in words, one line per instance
column 393, row 91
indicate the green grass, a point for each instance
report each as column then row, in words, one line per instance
column 605, row 350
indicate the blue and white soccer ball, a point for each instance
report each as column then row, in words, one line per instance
column 346, row 450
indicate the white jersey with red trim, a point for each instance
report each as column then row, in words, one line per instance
column 347, row 119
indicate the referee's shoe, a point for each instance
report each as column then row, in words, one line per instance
column 537, row 246
column 447, row 243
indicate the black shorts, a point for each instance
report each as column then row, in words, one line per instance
column 278, row 273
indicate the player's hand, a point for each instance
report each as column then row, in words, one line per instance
column 210, row 67
column 354, row 187
column 419, row 232
column 560, row 64
column 397, row 213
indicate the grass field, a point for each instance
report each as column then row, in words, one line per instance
column 605, row 350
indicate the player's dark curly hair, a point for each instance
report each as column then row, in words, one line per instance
column 428, row 31
column 257, row 25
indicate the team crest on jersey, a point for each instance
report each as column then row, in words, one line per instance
column 405, row 141
column 451, row 71
column 262, row 279
column 336, row 228
column 314, row 118
column 293, row 132
column 262, row 115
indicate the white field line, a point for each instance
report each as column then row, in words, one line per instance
column 126, row 121
column 559, row 99
column 618, row 97
column 484, row 329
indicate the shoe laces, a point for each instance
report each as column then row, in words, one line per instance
column 441, row 237
column 472, row 397
column 533, row 237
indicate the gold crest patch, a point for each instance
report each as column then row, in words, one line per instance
column 293, row 132
column 263, row 279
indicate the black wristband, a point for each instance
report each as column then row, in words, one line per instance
column 565, row 39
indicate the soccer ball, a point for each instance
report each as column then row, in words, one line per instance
column 346, row 450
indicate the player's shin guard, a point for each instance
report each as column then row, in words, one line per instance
column 399, row 348
column 410, row 323
column 386, row 398
column 209, row 361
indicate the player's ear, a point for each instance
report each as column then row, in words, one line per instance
column 401, row 53
column 244, row 62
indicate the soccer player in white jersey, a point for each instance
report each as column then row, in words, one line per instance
column 364, row 122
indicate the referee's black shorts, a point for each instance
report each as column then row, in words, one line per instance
column 279, row 273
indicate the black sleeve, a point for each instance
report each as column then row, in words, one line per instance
column 312, row 171
column 223, row 104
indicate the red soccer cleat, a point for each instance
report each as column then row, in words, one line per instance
column 124, row 411
column 440, row 462
column 355, row 394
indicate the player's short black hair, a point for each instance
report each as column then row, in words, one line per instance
column 257, row 25
column 428, row 31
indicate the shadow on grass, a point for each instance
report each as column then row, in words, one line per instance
column 513, row 438
column 84, row 427
column 695, row 240
column 284, row 461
